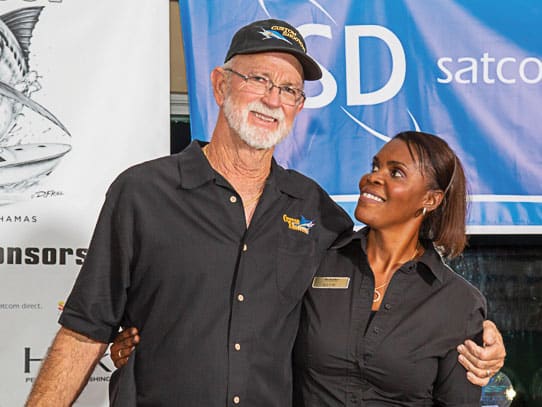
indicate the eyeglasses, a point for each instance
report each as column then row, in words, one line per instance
column 260, row 85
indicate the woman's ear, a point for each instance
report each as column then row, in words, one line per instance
column 433, row 198
column 219, row 83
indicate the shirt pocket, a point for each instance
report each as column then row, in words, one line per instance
column 297, row 259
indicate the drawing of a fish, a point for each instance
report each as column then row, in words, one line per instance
column 15, row 34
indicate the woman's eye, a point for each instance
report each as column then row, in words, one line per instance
column 396, row 173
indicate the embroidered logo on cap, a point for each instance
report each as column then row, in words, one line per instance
column 301, row 225
column 273, row 34
column 282, row 33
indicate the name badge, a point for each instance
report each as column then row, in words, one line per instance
column 331, row 282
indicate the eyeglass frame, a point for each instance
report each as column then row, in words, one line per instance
column 269, row 85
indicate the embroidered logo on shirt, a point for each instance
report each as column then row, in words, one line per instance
column 331, row 282
column 301, row 225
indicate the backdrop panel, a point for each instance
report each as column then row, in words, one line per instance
column 468, row 71
column 84, row 93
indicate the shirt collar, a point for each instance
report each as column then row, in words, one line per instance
column 194, row 171
column 430, row 259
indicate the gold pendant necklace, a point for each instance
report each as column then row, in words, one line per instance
column 377, row 296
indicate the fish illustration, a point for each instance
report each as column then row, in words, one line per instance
column 23, row 164
column 273, row 34
column 15, row 34
column 28, row 162
column 306, row 223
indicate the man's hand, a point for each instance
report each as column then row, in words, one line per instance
column 483, row 362
column 123, row 346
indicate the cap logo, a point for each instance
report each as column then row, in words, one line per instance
column 273, row 34
column 282, row 33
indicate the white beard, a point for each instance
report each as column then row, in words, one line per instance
column 254, row 136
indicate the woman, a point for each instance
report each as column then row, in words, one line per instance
column 382, row 319
column 384, row 315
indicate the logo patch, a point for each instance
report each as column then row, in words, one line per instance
column 301, row 225
column 273, row 34
column 282, row 33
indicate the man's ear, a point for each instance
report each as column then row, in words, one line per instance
column 299, row 107
column 433, row 198
column 219, row 83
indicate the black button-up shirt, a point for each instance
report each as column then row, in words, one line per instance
column 217, row 303
column 406, row 354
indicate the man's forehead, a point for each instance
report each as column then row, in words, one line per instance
column 286, row 63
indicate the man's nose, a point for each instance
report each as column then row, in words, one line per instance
column 272, row 96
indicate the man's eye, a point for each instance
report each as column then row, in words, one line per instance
column 374, row 168
column 289, row 90
column 259, row 79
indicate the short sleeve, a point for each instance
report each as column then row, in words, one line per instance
column 96, row 303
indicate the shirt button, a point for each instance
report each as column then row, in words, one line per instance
column 387, row 306
column 245, row 247
column 233, row 199
column 237, row 347
column 236, row 399
column 376, row 330
column 240, row 297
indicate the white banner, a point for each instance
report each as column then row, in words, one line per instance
column 84, row 94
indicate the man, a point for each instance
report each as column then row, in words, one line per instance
column 208, row 252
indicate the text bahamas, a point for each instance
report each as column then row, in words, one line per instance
column 18, row 219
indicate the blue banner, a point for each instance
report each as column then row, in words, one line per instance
column 468, row 71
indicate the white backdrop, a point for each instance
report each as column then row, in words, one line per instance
column 85, row 98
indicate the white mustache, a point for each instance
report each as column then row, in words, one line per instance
column 261, row 108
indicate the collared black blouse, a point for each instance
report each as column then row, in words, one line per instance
column 406, row 355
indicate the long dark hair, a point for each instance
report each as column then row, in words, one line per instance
column 446, row 225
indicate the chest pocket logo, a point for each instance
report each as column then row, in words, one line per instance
column 299, row 224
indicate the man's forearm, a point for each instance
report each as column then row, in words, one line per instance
column 66, row 369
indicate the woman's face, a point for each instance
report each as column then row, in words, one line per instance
column 394, row 192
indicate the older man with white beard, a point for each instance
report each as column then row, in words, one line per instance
column 207, row 252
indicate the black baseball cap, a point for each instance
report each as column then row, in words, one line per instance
column 274, row 35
